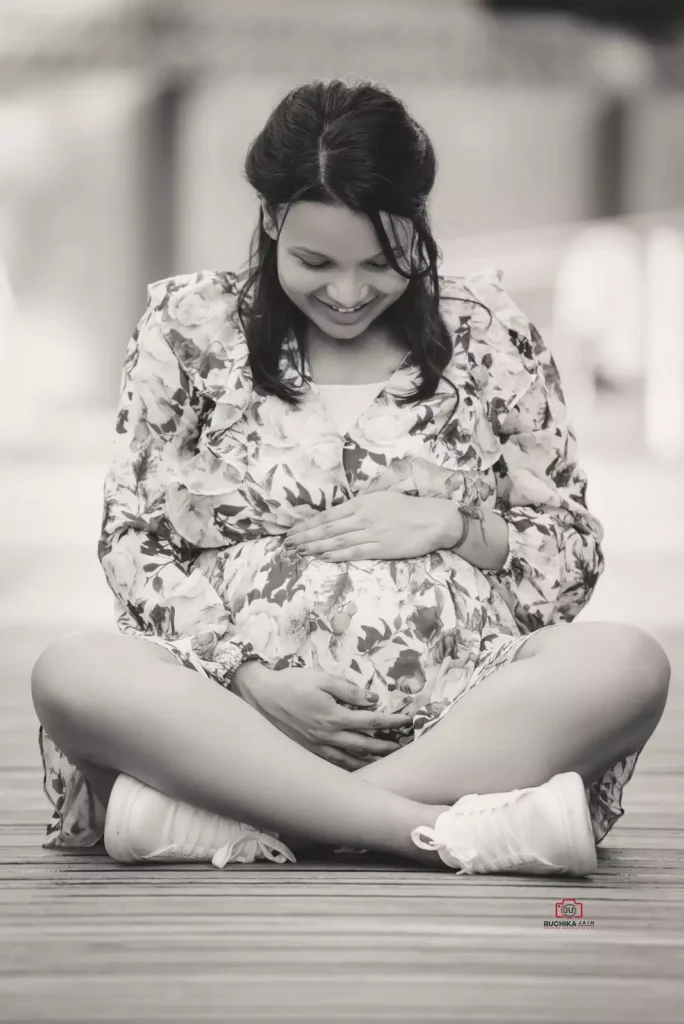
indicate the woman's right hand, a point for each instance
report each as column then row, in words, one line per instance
column 305, row 705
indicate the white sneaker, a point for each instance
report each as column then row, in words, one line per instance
column 542, row 830
column 143, row 825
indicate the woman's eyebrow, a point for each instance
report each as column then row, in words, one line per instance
column 398, row 250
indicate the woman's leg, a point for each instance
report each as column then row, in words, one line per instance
column 121, row 704
column 578, row 697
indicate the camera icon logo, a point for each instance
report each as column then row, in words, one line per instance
column 568, row 909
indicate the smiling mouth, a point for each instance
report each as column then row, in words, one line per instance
column 342, row 310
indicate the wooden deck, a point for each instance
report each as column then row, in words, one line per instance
column 354, row 938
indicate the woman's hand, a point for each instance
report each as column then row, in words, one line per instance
column 304, row 704
column 381, row 524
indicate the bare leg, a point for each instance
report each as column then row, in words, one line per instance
column 579, row 697
column 122, row 704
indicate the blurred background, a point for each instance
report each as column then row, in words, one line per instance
column 559, row 130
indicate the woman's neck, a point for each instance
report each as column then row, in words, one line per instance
column 373, row 356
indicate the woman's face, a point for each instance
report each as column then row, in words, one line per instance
column 332, row 267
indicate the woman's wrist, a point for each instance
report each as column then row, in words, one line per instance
column 247, row 678
column 231, row 652
column 478, row 535
column 452, row 524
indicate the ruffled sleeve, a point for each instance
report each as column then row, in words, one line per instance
column 555, row 556
column 145, row 560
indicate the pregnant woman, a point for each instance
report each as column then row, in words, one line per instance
column 347, row 535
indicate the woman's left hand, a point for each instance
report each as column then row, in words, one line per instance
column 381, row 524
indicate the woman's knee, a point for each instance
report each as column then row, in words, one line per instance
column 629, row 663
column 628, row 659
column 54, row 673
column 648, row 669
column 635, row 661
column 68, row 672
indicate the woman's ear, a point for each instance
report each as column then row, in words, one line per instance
column 269, row 225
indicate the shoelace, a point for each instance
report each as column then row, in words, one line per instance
column 495, row 846
column 247, row 845
column 466, row 856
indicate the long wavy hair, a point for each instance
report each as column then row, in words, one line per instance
column 354, row 146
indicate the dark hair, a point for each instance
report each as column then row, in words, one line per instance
column 354, row 146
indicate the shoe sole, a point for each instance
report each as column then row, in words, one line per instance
column 122, row 798
column 573, row 811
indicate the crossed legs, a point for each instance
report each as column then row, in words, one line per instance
column 578, row 697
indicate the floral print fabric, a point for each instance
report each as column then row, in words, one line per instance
column 207, row 475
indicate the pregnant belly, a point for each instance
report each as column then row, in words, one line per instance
column 402, row 628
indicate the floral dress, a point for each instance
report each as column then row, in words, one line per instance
column 208, row 475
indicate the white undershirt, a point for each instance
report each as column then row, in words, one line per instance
column 346, row 402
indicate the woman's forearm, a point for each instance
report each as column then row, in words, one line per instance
column 485, row 548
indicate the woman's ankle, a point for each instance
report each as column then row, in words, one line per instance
column 400, row 844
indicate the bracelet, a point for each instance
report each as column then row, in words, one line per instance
column 468, row 513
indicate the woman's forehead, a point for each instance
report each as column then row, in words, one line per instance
column 339, row 231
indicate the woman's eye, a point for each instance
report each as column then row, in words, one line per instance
column 320, row 266
column 312, row 266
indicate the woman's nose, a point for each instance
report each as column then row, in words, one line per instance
column 348, row 293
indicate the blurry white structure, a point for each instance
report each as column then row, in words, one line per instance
column 599, row 300
column 598, row 314
column 622, row 61
column 42, row 367
column 7, row 307
column 664, row 378
column 7, row 301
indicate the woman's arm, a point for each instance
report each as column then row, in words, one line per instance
column 544, row 554
column 144, row 559
column 555, row 555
